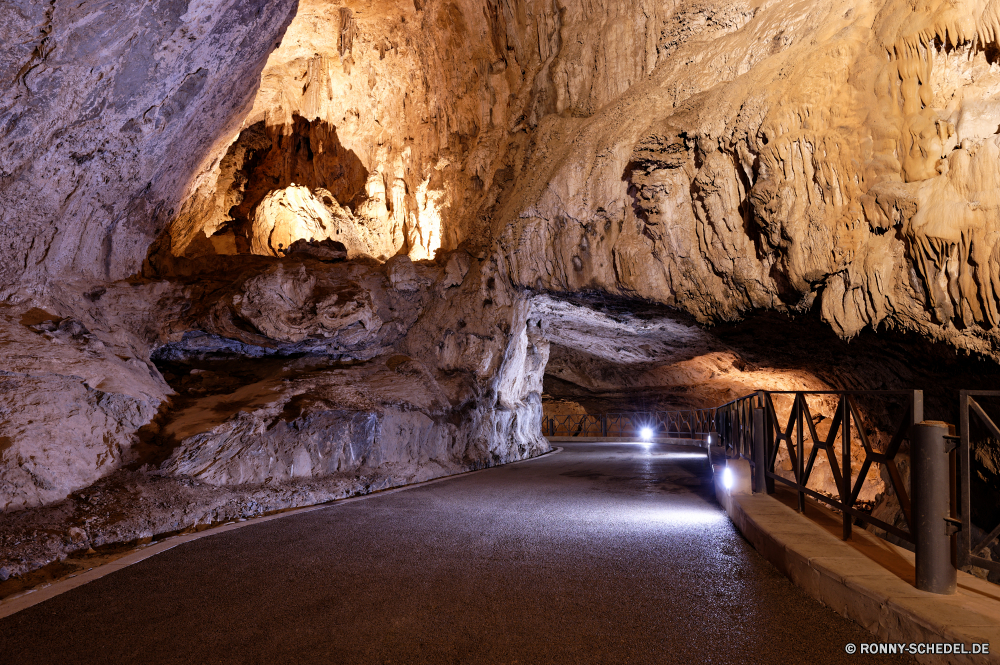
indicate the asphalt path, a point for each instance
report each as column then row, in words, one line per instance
column 601, row 553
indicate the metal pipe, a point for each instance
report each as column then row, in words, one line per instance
column 930, row 488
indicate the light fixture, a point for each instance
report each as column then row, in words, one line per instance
column 646, row 433
column 727, row 478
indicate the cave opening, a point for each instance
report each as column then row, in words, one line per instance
column 265, row 161
column 612, row 355
column 484, row 204
column 281, row 183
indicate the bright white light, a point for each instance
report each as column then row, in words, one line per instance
column 426, row 234
column 683, row 518
column 727, row 478
column 646, row 433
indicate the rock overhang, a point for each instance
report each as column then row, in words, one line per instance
column 720, row 159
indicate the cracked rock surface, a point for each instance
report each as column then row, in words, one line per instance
column 294, row 382
column 181, row 183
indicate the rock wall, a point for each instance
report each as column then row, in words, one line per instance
column 106, row 111
column 413, row 104
column 718, row 158
column 285, row 382
column 354, row 371
column 216, row 147
column 835, row 155
column 704, row 156
column 434, row 104
column 701, row 155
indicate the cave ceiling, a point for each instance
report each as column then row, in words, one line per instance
column 717, row 157
column 222, row 221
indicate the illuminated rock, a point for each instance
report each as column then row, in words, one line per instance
column 837, row 161
column 285, row 216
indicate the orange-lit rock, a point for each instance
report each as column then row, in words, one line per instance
column 483, row 164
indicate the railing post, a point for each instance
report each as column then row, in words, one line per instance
column 931, row 496
column 769, row 444
column 962, row 479
column 917, row 406
column 845, row 461
column 604, row 425
column 800, row 473
column 759, row 452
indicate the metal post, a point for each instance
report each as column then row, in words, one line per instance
column 845, row 460
column 711, row 448
column 963, row 478
column 931, row 496
column 800, row 473
column 604, row 424
column 953, row 499
column 769, row 445
column 759, row 454
column 917, row 406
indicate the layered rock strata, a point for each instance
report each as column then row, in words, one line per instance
column 702, row 156
column 106, row 112
column 720, row 158
column 291, row 381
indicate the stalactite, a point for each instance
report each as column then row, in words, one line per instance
column 348, row 30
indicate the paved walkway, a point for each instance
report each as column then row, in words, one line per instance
column 602, row 553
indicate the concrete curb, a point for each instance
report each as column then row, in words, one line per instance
column 858, row 587
column 26, row 599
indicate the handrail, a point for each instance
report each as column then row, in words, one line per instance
column 968, row 551
column 749, row 428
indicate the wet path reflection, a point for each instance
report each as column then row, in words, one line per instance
column 602, row 553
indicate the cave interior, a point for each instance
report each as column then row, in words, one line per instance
column 344, row 247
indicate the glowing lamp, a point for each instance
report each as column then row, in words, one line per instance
column 727, row 478
column 646, row 433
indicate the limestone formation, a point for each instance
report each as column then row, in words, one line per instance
column 274, row 253
column 106, row 112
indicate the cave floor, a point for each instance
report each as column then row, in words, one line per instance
column 606, row 552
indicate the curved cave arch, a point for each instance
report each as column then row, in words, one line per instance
column 526, row 150
column 267, row 161
column 279, row 183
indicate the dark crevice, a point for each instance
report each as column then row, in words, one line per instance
column 888, row 359
column 307, row 153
